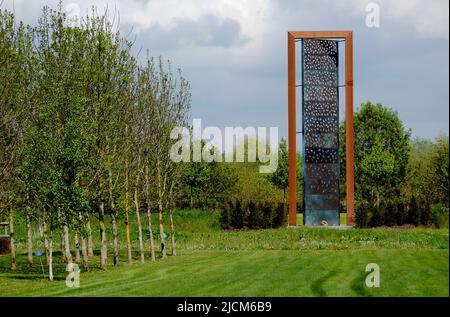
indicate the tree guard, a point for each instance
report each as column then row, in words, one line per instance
column 320, row 126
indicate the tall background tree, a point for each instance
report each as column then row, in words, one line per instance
column 381, row 153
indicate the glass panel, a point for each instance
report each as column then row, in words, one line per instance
column 320, row 122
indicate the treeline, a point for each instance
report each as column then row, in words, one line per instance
column 85, row 131
column 398, row 181
column 211, row 185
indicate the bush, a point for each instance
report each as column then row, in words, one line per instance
column 361, row 215
column 237, row 215
column 225, row 216
column 261, row 215
column 268, row 211
column 414, row 212
column 390, row 214
column 280, row 219
column 425, row 214
column 254, row 217
column 402, row 217
column 439, row 215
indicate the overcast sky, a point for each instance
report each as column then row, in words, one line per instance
column 234, row 52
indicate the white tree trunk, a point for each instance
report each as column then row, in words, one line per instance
column 50, row 259
column 138, row 219
column 46, row 243
column 63, row 248
column 84, row 254
column 161, row 232
column 67, row 244
column 115, row 242
column 11, row 237
column 150, row 233
column 77, row 250
column 172, row 232
column 103, row 246
column 29, row 243
column 89, row 242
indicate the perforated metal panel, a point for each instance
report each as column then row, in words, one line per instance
column 320, row 126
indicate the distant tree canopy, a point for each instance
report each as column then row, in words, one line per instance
column 397, row 180
column 427, row 172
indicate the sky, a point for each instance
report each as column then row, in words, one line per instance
column 234, row 52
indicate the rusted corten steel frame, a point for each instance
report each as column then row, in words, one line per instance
column 348, row 37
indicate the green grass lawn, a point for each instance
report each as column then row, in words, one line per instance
column 275, row 262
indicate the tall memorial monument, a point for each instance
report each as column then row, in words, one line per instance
column 319, row 92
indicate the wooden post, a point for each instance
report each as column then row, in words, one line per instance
column 349, row 129
column 292, row 132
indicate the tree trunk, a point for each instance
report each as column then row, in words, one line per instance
column 161, row 231
column 172, row 232
column 77, row 248
column 63, row 253
column 127, row 222
column 90, row 243
column 149, row 215
column 127, row 233
column 67, row 244
column 150, row 233
column 29, row 243
column 11, row 237
column 50, row 259
column 103, row 244
column 84, row 254
column 114, row 220
column 44, row 225
column 138, row 218
column 115, row 243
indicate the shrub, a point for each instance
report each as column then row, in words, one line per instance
column 361, row 215
column 265, row 214
column 390, row 216
column 414, row 212
column 225, row 216
column 280, row 218
column 401, row 214
column 439, row 215
column 237, row 215
column 425, row 214
column 254, row 217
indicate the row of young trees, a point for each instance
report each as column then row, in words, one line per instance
column 85, row 130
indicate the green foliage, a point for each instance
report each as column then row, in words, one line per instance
column 254, row 215
column 439, row 163
column 207, row 185
column 427, row 174
column 280, row 177
column 414, row 212
column 381, row 152
column 80, row 118
column 439, row 215
column 268, row 210
column 225, row 216
column 280, row 218
column 237, row 215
